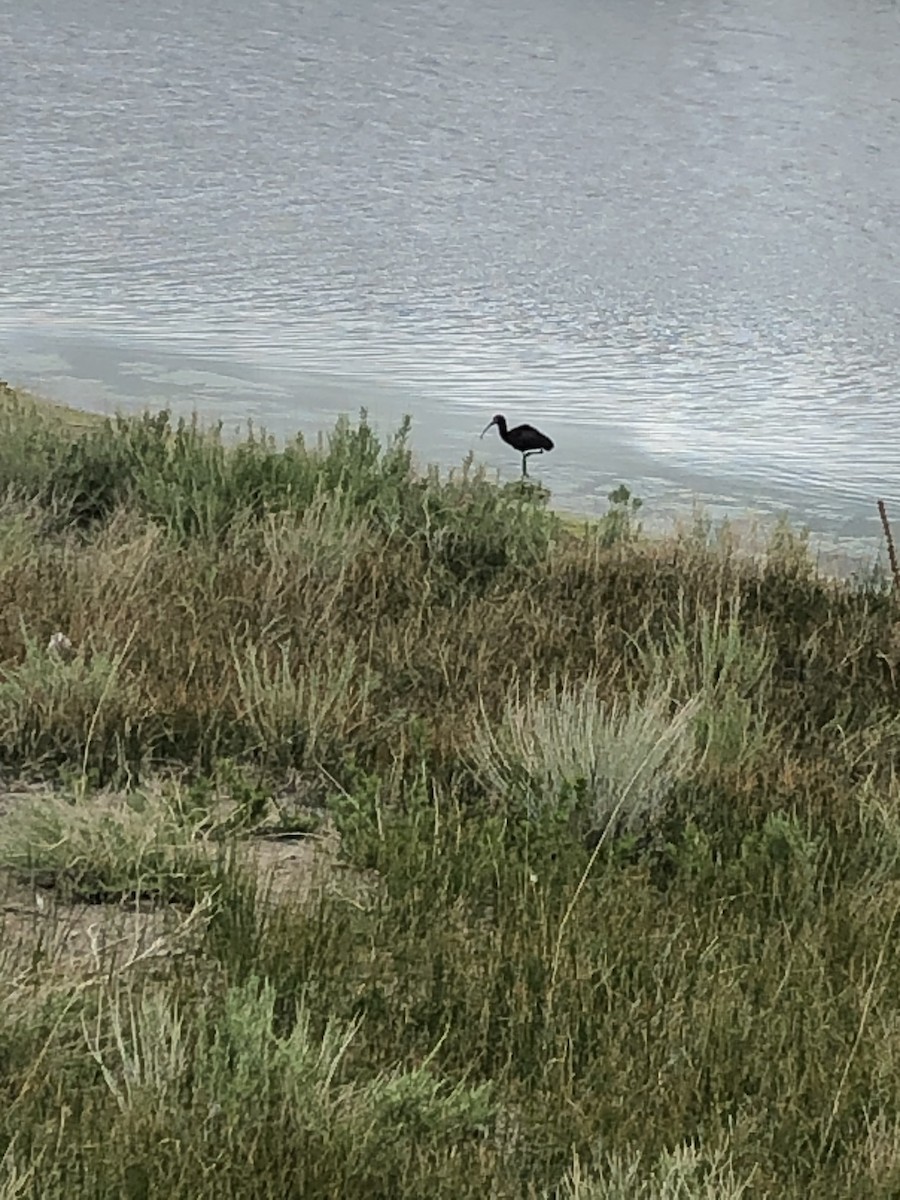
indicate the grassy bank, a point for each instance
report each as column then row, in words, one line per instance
column 587, row 847
column 23, row 405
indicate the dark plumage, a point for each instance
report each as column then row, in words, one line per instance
column 524, row 438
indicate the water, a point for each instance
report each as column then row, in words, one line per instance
column 662, row 230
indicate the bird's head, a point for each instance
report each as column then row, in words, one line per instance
column 499, row 420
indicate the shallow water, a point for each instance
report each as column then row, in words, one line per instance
column 664, row 232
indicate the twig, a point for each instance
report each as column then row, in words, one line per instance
column 892, row 553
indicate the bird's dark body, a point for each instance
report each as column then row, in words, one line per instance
column 524, row 438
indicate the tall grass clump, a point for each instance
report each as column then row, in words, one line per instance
column 151, row 546
column 195, row 485
column 709, row 653
column 683, row 1174
column 619, row 758
column 244, row 1060
column 297, row 707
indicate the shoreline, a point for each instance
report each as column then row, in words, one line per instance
column 76, row 419
column 834, row 557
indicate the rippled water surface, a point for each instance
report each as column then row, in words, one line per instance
column 666, row 232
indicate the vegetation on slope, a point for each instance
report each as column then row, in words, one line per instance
column 620, row 817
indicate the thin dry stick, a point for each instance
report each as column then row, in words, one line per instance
column 892, row 553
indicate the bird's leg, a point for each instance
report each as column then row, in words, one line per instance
column 525, row 458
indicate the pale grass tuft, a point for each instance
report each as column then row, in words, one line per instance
column 297, row 705
column 685, row 1173
column 115, row 572
column 235, row 1057
column 879, row 825
column 16, row 1178
column 20, row 537
column 318, row 542
column 307, row 559
column 140, row 1044
column 622, row 754
column 880, row 1152
column 240, row 1060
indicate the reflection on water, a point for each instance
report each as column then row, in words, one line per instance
column 665, row 233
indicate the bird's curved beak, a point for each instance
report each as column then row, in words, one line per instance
column 490, row 425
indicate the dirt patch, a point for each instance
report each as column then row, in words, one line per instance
column 44, row 936
column 292, row 868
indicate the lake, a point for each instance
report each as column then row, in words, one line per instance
column 664, row 231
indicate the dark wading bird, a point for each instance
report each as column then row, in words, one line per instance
column 524, row 438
